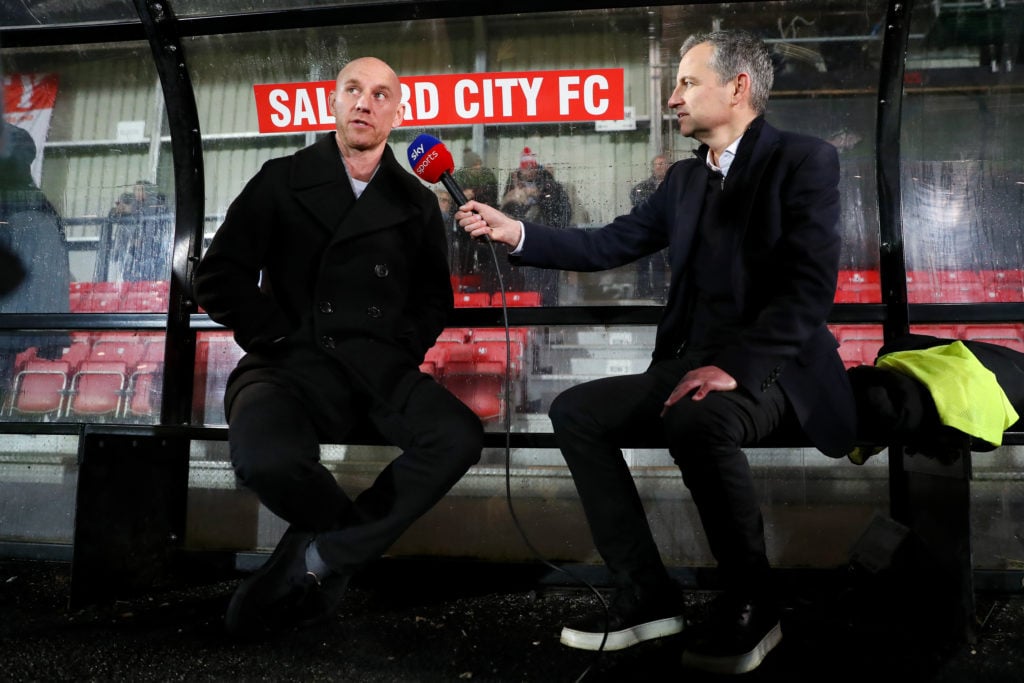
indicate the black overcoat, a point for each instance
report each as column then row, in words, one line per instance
column 300, row 267
column 781, row 207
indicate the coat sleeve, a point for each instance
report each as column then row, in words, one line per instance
column 227, row 280
column 642, row 231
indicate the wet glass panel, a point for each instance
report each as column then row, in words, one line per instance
column 963, row 168
column 17, row 13
column 827, row 75
column 215, row 7
column 38, row 481
column 81, row 376
column 88, row 180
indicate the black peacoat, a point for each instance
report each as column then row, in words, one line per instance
column 781, row 206
column 300, row 269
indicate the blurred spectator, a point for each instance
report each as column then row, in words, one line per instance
column 651, row 271
column 474, row 258
column 533, row 194
column 444, row 201
column 137, row 241
column 477, row 182
column 32, row 235
column 452, row 233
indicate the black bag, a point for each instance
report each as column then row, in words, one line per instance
column 892, row 407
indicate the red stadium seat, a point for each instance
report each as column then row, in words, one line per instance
column 127, row 348
column 519, row 335
column 488, row 353
column 98, row 388
column 217, row 354
column 858, row 344
column 455, row 334
column 144, row 390
column 1010, row 335
column 478, row 388
column 472, row 299
column 76, row 353
column 859, row 352
column 941, row 331
column 39, row 388
column 516, row 299
column 24, row 357
column 858, row 286
column 1003, row 285
column 144, row 393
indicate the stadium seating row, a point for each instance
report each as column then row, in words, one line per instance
column 483, row 299
column 470, row 362
column 111, row 297
column 104, row 375
column 854, row 286
column 949, row 286
column 859, row 344
column 474, row 363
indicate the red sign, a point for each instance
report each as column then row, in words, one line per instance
column 459, row 99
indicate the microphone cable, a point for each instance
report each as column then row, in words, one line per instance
column 508, row 470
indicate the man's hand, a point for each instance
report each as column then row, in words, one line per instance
column 701, row 381
column 479, row 220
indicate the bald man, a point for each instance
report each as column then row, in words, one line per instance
column 331, row 270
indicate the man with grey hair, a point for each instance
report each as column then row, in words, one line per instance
column 742, row 350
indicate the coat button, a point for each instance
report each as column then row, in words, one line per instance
column 381, row 270
column 374, row 312
column 326, row 307
column 327, row 341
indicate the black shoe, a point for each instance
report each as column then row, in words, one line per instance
column 736, row 638
column 627, row 622
column 282, row 594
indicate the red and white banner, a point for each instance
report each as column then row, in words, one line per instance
column 28, row 104
column 459, row 99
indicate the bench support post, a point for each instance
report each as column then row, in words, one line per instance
column 129, row 513
column 933, row 499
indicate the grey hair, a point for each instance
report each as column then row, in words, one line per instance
column 735, row 52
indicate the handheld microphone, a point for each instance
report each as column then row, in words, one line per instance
column 431, row 161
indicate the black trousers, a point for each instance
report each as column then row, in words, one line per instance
column 705, row 438
column 275, row 438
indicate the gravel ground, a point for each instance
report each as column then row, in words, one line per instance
column 409, row 621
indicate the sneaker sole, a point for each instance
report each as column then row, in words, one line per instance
column 735, row 664
column 619, row 640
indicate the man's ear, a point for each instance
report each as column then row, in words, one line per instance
column 741, row 87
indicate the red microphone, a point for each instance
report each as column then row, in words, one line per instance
column 431, row 161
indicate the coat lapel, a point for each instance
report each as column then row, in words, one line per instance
column 378, row 208
column 319, row 183
column 756, row 148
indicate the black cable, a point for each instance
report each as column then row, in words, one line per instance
column 508, row 469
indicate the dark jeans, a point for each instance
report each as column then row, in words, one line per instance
column 275, row 449
column 705, row 438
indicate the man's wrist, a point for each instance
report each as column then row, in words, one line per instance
column 522, row 239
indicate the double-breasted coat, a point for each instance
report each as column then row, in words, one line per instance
column 300, row 270
column 781, row 208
